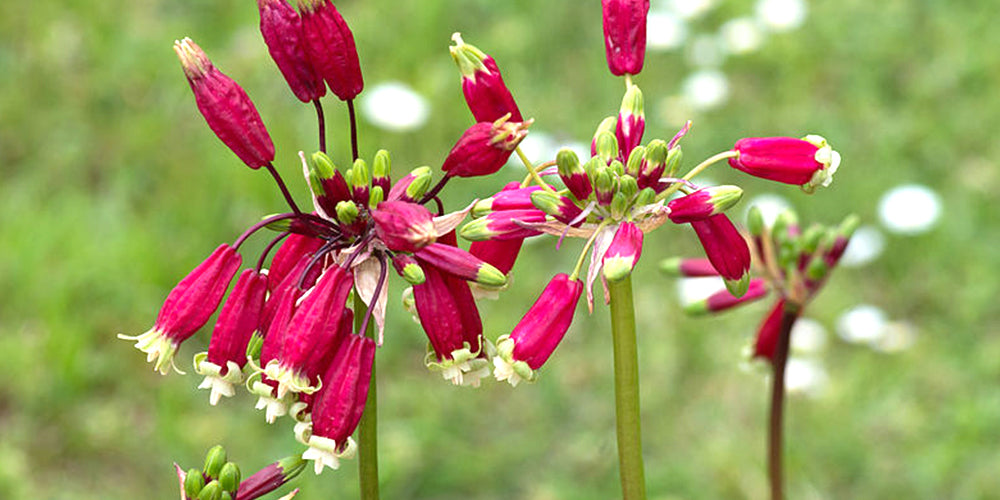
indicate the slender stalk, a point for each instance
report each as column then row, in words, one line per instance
column 627, row 391
column 354, row 129
column 368, row 427
column 322, row 124
column 697, row 170
column 774, row 437
column 283, row 188
column 532, row 172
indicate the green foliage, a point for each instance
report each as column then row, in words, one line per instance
column 114, row 188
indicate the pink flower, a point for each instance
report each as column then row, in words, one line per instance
column 329, row 44
column 623, row 253
column 703, row 203
column 227, row 351
column 807, row 162
column 510, row 198
column 271, row 477
column 338, row 407
column 726, row 250
column 625, row 34
column 504, row 225
column 461, row 264
column 281, row 28
column 403, row 226
column 226, row 107
column 484, row 148
column 691, row 268
column 631, row 122
column 723, row 300
column 536, row 336
column 188, row 307
column 487, row 95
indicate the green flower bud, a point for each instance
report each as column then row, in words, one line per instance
column 420, row 184
column 656, row 151
column 617, row 167
column 628, row 186
column 849, row 225
column 618, row 205
column 214, row 460
column 607, row 146
column 347, row 212
column 211, row 491
column 193, row 483
column 254, row 345
column 376, row 196
column 229, row 477
column 755, row 221
column 635, row 161
column 645, row 197
column 673, row 162
column 593, row 166
column 382, row 166
column 359, row 174
column 817, row 269
column 812, row 238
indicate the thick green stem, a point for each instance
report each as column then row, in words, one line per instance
column 368, row 427
column 627, row 391
column 774, row 441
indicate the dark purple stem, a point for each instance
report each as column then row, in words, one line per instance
column 354, row 129
column 383, row 271
column 268, row 248
column 774, row 441
column 435, row 190
column 283, row 188
column 322, row 124
column 327, row 247
column 258, row 226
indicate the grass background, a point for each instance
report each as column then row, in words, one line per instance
column 113, row 188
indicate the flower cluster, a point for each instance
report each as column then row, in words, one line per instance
column 220, row 479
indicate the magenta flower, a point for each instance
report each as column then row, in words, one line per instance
column 226, row 107
column 623, row 252
column 768, row 332
column 403, row 226
column 504, row 225
column 723, row 300
column 625, row 35
column 338, row 407
column 271, row 477
column 536, row 336
column 631, row 123
column 329, row 44
column 461, row 264
column 573, row 175
column 281, row 28
column 808, row 162
column 703, row 203
column 222, row 365
column 484, row 148
column 292, row 255
column 486, row 94
column 726, row 250
column 188, row 307
column 689, row 268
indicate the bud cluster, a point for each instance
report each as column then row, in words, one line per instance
column 220, row 479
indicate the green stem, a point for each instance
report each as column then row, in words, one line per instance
column 368, row 427
column 697, row 170
column 531, row 170
column 627, row 391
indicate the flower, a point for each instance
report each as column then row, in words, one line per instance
column 188, row 307
column 226, row 107
column 625, row 34
column 726, row 250
column 486, row 94
column 536, row 336
column 808, row 162
column 623, row 252
column 281, row 28
column 404, row 226
column 329, row 44
column 703, row 203
column 484, row 147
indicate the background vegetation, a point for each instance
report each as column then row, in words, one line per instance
column 113, row 188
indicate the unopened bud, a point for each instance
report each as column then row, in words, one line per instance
column 618, row 205
column 607, row 146
column 636, row 160
column 645, row 197
column 214, row 460
column 617, row 167
column 211, row 491
column 628, row 186
column 382, row 170
column 408, row 268
column 347, row 212
column 604, row 186
column 229, row 477
column 607, row 125
column 573, row 174
column 360, row 182
column 755, row 221
column 375, row 197
column 631, row 120
column 193, row 483
column 674, row 158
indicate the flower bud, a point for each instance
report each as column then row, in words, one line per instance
column 347, row 212
column 636, row 161
column 403, row 226
column 726, row 250
column 607, row 146
column 631, row 120
column 411, row 187
column 226, row 107
column 646, row 196
column 360, row 182
column 690, row 268
column 536, row 336
column 338, row 407
column 608, row 125
column 329, row 44
column 619, row 204
column 215, row 458
column 562, row 208
column 625, row 34
column 484, row 148
column 809, row 162
column 722, row 300
column 271, row 477
column 674, row 158
column 573, row 174
column 211, row 491
column 485, row 92
column 408, row 268
column 604, row 187
column 381, row 170
column 240, row 316
column 327, row 184
column 188, row 307
column 623, row 252
column 194, row 481
column 703, row 203
column 755, row 221
column 518, row 198
column 654, row 165
column 460, row 263
column 229, row 477
column 282, row 30
column 769, row 332
column 504, row 225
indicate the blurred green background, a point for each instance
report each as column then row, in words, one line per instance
column 113, row 188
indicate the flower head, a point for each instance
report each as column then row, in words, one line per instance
column 485, row 92
column 484, row 147
column 808, row 162
column 625, row 34
column 281, row 28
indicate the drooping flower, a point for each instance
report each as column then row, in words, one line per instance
column 404, row 226
column 625, row 34
column 281, row 28
column 329, row 44
column 188, row 307
column 226, row 107
column 623, row 252
column 723, row 300
column 703, row 203
column 536, row 336
column 484, row 147
column 485, row 92
column 809, row 162
column 726, row 250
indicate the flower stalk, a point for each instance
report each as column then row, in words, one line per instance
column 627, row 415
column 775, row 426
column 368, row 427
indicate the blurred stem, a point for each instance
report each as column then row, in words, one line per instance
column 368, row 427
column 627, row 391
column 774, row 438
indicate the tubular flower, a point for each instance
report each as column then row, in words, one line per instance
column 226, row 107
column 338, row 407
column 505, row 225
column 631, row 123
column 623, row 252
column 723, row 300
column 403, row 226
column 329, row 44
column 808, row 162
column 726, row 250
column 536, row 336
column 703, row 203
column 271, row 477
column 188, row 307
column 281, row 28
column 222, row 365
column 486, row 94
column 625, row 34
column 484, row 147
